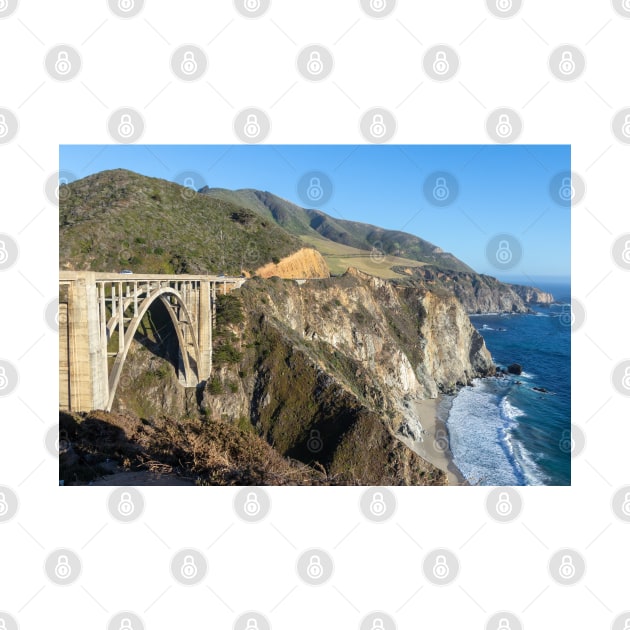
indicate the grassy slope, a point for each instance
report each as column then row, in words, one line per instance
column 117, row 219
column 314, row 223
column 339, row 257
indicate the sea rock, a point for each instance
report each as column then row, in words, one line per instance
column 515, row 368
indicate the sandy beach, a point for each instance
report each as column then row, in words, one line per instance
column 434, row 446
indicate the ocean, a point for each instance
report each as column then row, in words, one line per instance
column 502, row 431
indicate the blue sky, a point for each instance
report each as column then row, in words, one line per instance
column 502, row 189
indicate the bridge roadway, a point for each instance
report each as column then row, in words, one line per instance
column 99, row 314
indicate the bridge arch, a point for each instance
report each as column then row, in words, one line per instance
column 165, row 294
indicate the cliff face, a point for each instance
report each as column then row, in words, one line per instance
column 329, row 370
column 531, row 295
column 305, row 263
column 479, row 293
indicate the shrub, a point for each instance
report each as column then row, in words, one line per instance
column 226, row 353
column 215, row 387
column 229, row 310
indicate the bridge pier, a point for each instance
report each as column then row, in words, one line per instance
column 205, row 332
column 81, row 348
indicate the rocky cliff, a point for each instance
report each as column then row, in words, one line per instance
column 328, row 370
column 531, row 295
column 479, row 293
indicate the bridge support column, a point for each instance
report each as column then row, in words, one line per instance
column 86, row 353
column 204, row 331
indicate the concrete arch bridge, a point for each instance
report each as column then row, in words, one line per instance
column 96, row 308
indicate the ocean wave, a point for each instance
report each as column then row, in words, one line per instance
column 481, row 424
column 510, row 411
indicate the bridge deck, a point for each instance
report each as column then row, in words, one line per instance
column 122, row 277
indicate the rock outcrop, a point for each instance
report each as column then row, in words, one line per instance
column 329, row 368
column 305, row 263
column 531, row 295
column 479, row 293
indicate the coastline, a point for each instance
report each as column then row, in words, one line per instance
column 434, row 446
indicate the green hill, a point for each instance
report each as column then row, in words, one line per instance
column 119, row 219
column 309, row 224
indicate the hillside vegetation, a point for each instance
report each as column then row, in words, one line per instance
column 119, row 219
column 310, row 223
